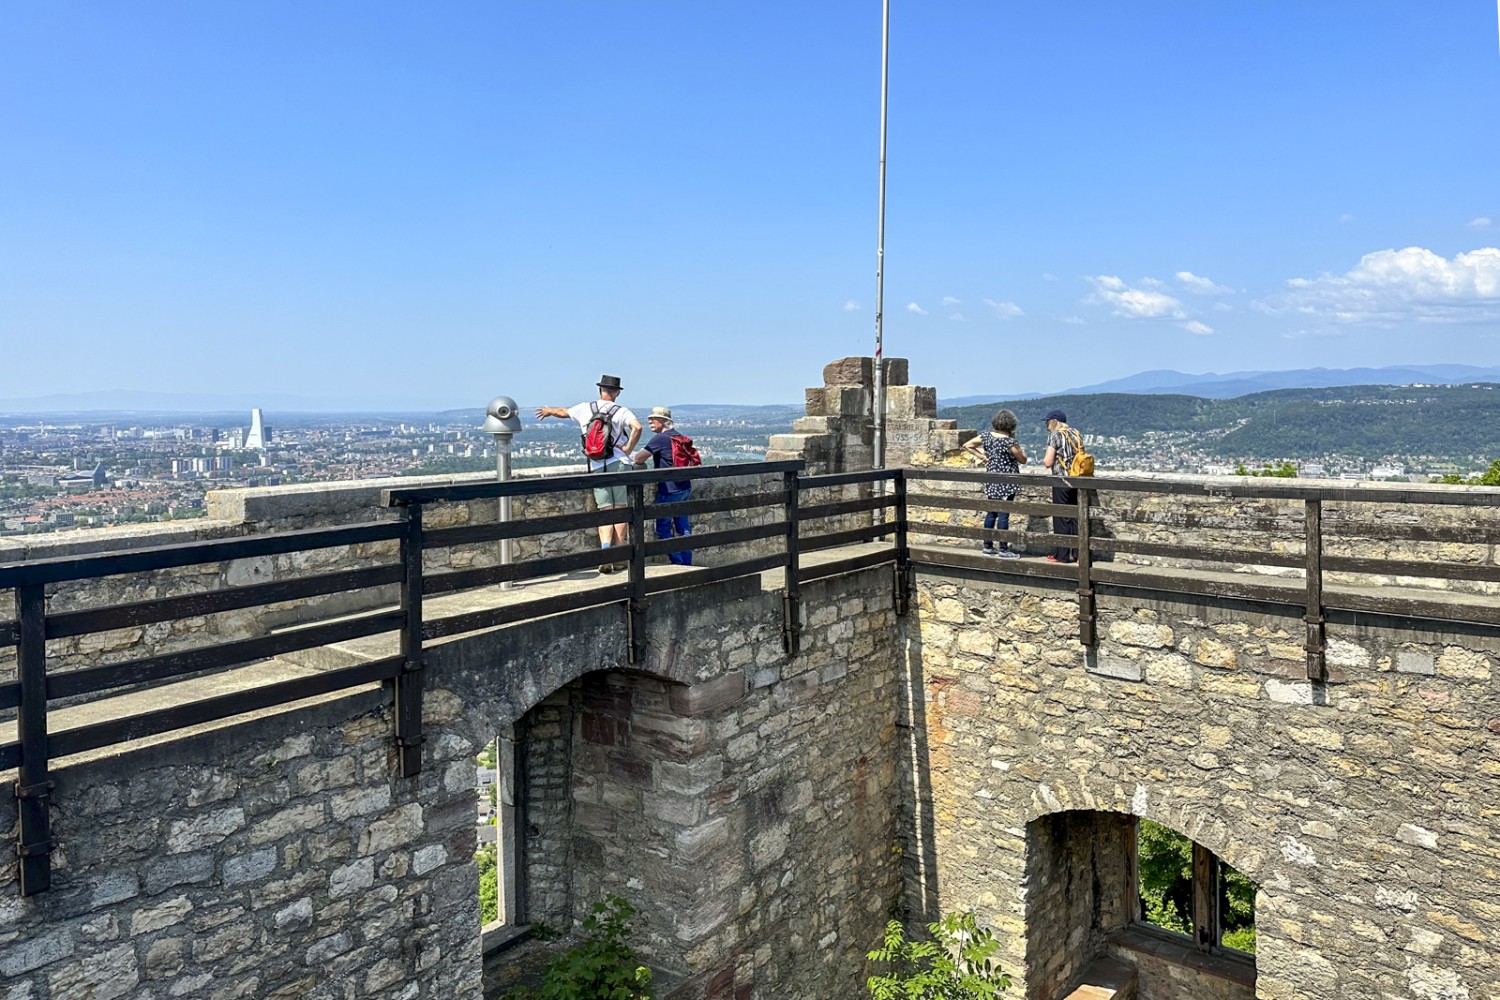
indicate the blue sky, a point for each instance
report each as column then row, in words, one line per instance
column 377, row 203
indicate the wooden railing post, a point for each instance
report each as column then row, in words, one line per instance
column 34, row 785
column 791, row 601
column 1317, row 666
column 903, row 550
column 1086, row 615
column 409, row 683
column 636, row 614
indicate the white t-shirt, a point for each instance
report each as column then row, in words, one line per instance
column 619, row 422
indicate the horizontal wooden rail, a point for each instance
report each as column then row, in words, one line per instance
column 976, row 533
column 713, row 539
column 560, row 484
column 833, row 539
column 488, row 576
column 1035, row 508
column 1261, row 489
column 1199, row 553
column 690, row 508
column 476, row 534
column 846, row 478
column 71, row 623
column 849, row 564
column 473, row 621
column 729, row 571
column 816, row 511
column 93, row 737
column 146, row 560
column 91, row 680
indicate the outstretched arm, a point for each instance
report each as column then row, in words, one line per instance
column 543, row 412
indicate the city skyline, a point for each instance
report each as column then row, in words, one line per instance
column 435, row 206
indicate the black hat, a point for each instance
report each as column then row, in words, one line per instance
column 610, row 382
column 1057, row 415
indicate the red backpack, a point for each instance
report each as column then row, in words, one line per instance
column 599, row 434
column 683, row 452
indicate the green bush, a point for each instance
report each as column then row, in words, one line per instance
column 957, row 964
column 601, row 967
column 489, row 885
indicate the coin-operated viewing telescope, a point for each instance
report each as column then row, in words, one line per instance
column 502, row 418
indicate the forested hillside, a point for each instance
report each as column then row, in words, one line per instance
column 1456, row 423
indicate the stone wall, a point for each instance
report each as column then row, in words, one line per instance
column 274, row 858
column 1364, row 809
column 742, row 800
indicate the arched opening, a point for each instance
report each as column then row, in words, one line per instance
column 1116, row 904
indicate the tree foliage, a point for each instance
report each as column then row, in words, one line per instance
column 601, row 967
column 1280, row 469
column 958, row 963
column 489, row 885
column 1490, row 477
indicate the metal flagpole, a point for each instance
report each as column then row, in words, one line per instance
column 878, row 403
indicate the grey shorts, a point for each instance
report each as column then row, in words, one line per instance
column 611, row 496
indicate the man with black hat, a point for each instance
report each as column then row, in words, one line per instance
column 1063, row 443
column 624, row 432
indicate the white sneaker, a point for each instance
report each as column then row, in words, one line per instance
column 1008, row 554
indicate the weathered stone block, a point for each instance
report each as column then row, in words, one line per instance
column 708, row 697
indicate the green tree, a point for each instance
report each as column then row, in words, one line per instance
column 601, row 967
column 1165, row 858
column 1490, row 477
column 1239, row 910
column 489, row 884
column 1279, row 469
column 957, row 964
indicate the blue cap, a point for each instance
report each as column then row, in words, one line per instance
column 1057, row 415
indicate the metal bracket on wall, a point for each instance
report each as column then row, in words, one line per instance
column 1087, row 632
column 636, row 611
column 791, row 601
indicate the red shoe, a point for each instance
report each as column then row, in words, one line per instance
column 1053, row 559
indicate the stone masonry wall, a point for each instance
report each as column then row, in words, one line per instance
column 278, row 858
column 1365, row 810
column 744, row 800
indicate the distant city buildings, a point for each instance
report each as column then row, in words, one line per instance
column 257, row 436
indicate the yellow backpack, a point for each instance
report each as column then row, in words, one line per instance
column 1082, row 463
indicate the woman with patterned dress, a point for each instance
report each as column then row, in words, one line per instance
column 1001, row 453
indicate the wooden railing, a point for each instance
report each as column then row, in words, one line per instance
column 887, row 505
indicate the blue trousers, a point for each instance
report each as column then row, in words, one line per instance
column 997, row 520
column 667, row 527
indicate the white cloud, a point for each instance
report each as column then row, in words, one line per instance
column 1482, row 222
column 912, row 307
column 1075, row 321
column 956, row 317
column 1202, row 285
column 850, row 306
column 949, row 300
column 1049, row 276
column 1135, row 303
column 1347, row 217
column 1004, row 310
column 1394, row 286
column 1193, row 326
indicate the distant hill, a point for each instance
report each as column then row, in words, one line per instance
column 1213, row 385
column 1369, row 421
column 1232, row 384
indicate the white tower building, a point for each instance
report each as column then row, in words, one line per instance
column 255, row 440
